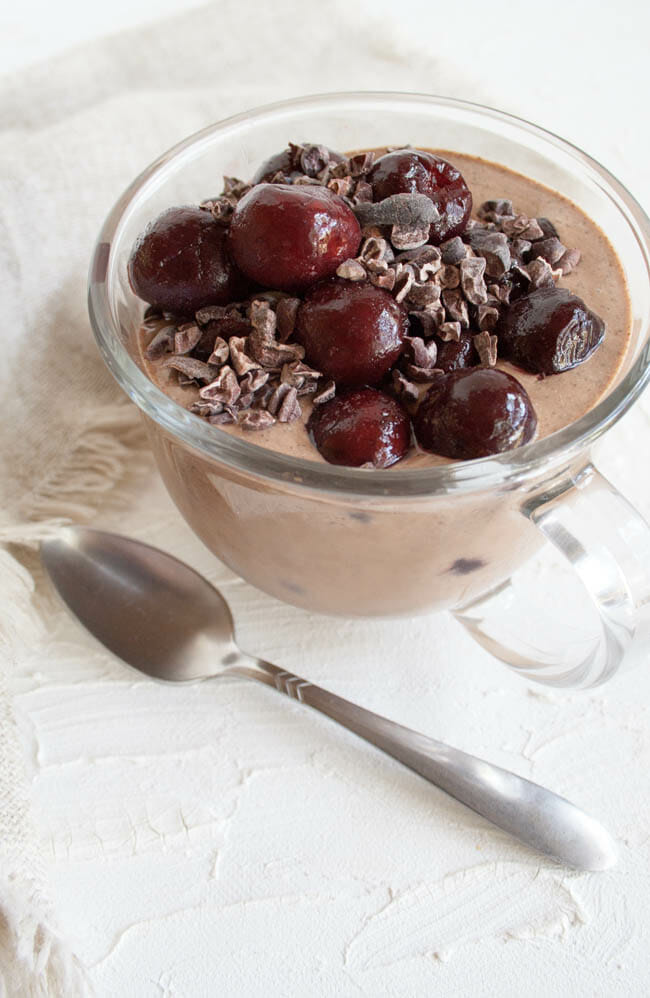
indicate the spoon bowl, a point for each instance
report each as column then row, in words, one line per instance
column 151, row 610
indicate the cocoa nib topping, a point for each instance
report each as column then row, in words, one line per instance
column 449, row 276
column 221, row 207
column 420, row 363
column 324, row 394
column 492, row 211
column 351, row 270
column 485, row 345
column 385, row 280
column 453, row 251
column 404, row 280
column 541, row 274
column 362, row 193
column 263, row 319
column 493, row 247
column 375, row 253
column 224, row 321
column 311, row 159
column 256, row 419
column 193, row 369
column 361, row 163
column 551, row 250
column 404, row 389
column 225, row 388
column 420, row 296
column 423, row 354
column 285, row 314
column 519, row 250
column 304, row 179
column 487, row 316
column 409, row 236
column 161, row 343
column 299, row 376
column 220, row 352
column 499, row 218
column 456, row 306
column 449, row 331
column 223, row 417
column 211, row 313
column 342, row 186
column 186, row 337
column 283, row 403
column 254, row 379
column 272, row 355
column 472, row 270
column 233, row 187
column 425, row 261
column 316, row 164
column 428, row 320
column 262, row 343
column 569, row 261
column 239, row 358
column 205, row 408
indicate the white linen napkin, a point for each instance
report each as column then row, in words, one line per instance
column 73, row 133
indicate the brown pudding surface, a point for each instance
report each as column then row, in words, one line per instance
column 558, row 399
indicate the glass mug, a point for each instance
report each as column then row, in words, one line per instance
column 358, row 542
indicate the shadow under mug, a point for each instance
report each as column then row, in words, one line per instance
column 355, row 542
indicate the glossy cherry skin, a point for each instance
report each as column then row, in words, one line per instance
column 362, row 426
column 549, row 331
column 181, row 262
column 411, row 171
column 283, row 162
column 456, row 354
column 287, row 238
column 352, row 331
column 474, row 413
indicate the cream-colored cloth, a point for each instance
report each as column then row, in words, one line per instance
column 73, row 133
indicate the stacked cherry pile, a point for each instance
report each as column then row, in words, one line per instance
column 365, row 285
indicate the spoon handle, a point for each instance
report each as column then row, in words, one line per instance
column 536, row 816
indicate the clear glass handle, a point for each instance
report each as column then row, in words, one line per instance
column 607, row 543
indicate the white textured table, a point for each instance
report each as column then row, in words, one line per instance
column 219, row 840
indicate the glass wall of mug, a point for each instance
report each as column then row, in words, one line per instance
column 341, row 540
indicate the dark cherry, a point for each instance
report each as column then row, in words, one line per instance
column 411, row 171
column 363, row 426
column 352, row 331
column 474, row 413
column 453, row 355
column 181, row 262
column 284, row 162
column 290, row 237
column 549, row 331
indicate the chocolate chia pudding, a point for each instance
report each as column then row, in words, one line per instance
column 374, row 558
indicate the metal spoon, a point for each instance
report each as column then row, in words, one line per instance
column 166, row 620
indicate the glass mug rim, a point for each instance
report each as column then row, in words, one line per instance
column 561, row 447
